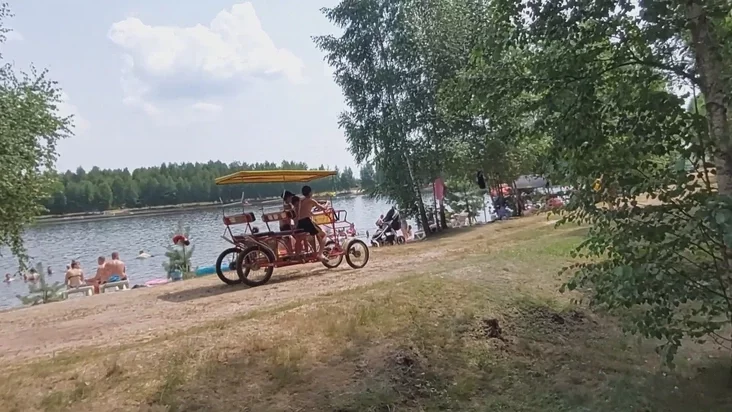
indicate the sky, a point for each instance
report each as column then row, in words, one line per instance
column 185, row 81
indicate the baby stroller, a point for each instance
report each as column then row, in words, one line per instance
column 389, row 231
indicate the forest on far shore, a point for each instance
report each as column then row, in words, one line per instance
column 172, row 184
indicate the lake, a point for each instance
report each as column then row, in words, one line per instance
column 56, row 245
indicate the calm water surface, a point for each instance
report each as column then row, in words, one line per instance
column 57, row 245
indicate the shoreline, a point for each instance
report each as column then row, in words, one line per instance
column 160, row 210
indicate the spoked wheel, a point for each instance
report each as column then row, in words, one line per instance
column 357, row 254
column 255, row 266
column 226, row 266
column 335, row 261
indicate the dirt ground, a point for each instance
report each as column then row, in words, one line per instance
column 139, row 315
column 472, row 320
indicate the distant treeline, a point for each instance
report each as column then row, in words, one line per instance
column 172, row 184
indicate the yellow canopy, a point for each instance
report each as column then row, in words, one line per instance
column 273, row 176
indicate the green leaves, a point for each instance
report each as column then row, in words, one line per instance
column 179, row 255
column 578, row 91
column 30, row 128
column 42, row 292
column 387, row 87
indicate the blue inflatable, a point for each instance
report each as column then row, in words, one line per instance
column 205, row 270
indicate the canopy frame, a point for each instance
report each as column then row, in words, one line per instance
column 273, row 176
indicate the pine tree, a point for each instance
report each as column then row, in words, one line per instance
column 42, row 292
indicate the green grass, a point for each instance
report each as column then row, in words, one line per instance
column 425, row 342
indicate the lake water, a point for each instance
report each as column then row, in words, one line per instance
column 57, row 245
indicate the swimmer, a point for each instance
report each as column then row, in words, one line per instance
column 8, row 279
column 143, row 255
column 32, row 275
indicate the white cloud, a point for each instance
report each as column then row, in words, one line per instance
column 169, row 67
column 66, row 108
column 14, row 35
column 207, row 107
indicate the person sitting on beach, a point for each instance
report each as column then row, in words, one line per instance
column 99, row 275
column 143, row 255
column 115, row 269
column 74, row 276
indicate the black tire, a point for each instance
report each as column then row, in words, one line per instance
column 220, row 261
column 332, row 264
column 243, row 271
column 349, row 251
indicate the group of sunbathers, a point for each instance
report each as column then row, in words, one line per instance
column 113, row 270
column 302, row 209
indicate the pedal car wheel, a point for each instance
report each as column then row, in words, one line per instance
column 227, row 263
column 357, row 254
column 335, row 261
column 255, row 259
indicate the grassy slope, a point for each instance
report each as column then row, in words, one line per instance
column 425, row 342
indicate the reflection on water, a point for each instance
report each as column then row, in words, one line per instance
column 57, row 245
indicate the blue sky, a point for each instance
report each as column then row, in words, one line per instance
column 174, row 81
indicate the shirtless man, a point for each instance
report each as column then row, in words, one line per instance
column 99, row 276
column 74, row 276
column 115, row 267
column 305, row 222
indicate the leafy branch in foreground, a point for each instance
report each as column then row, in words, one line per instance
column 179, row 255
column 42, row 292
column 30, row 127
column 649, row 176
